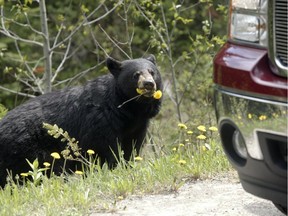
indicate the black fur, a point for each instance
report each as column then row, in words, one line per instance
column 90, row 113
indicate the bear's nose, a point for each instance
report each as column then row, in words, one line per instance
column 149, row 85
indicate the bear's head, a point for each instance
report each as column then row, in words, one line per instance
column 141, row 74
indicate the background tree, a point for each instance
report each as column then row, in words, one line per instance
column 46, row 45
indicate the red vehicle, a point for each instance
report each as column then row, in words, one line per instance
column 250, row 76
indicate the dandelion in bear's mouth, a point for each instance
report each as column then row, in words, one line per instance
column 140, row 91
column 156, row 95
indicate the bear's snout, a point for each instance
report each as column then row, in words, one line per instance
column 146, row 82
column 149, row 85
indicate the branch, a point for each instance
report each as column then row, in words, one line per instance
column 170, row 57
column 108, row 36
column 97, row 44
column 18, row 93
column 193, row 70
column 58, row 35
column 32, row 76
column 151, row 24
column 46, row 48
column 104, row 15
column 12, row 34
column 30, row 26
column 75, row 30
column 60, row 66
column 129, row 38
column 23, row 61
column 25, row 25
column 25, row 83
column 79, row 75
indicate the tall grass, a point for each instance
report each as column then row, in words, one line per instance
column 99, row 189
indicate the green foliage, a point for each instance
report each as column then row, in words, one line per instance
column 97, row 189
column 35, row 173
column 167, row 29
column 72, row 150
column 184, row 36
column 3, row 111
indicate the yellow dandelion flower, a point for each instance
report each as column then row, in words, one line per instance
column 275, row 115
column 138, row 158
column 201, row 137
column 250, row 116
column 46, row 164
column 182, row 126
column 182, row 162
column 158, row 94
column 189, row 132
column 90, row 152
column 79, row 172
column 55, row 155
column 262, row 117
column 24, row 174
column 187, row 140
column 140, row 91
column 213, row 128
column 120, row 197
column 181, row 145
column 174, row 149
column 201, row 128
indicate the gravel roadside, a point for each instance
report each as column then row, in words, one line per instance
column 221, row 196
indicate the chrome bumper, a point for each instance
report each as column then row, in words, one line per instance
column 251, row 115
column 262, row 124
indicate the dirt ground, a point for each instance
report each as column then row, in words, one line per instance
column 221, row 196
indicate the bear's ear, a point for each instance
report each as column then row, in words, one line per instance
column 113, row 65
column 151, row 58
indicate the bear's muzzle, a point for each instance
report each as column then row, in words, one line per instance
column 147, row 84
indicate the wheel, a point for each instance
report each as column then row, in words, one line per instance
column 281, row 208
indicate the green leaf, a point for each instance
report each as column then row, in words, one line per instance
column 35, row 163
column 30, row 164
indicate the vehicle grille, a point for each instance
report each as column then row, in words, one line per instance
column 280, row 37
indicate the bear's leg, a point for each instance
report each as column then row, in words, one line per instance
column 3, row 175
column 133, row 142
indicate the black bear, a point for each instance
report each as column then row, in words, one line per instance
column 101, row 115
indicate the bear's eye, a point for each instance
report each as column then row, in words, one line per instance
column 151, row 72
column 136, row 75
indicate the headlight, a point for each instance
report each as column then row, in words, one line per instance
column 248, row 21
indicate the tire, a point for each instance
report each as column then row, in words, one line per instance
column 281, row 208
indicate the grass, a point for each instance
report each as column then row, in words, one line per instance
column 187, row 158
